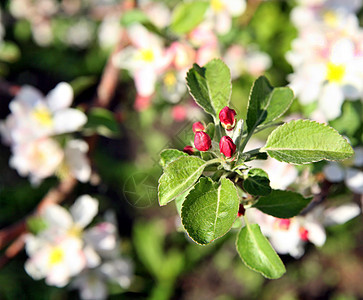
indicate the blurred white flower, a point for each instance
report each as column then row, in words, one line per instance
column 92, row 283
column 146, row 59
column 55, row 261
column 288, row 236
column 75, row 160
column 241, row 60
column 38, row 159
column 351, row 174
column 110, row 31
column 80, row 34
column 221, row 13
column 29, row 130
column 59, row 252
column 158, row 13
column 34, row 116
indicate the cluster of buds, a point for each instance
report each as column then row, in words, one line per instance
column 202, row 140
column 228, row 121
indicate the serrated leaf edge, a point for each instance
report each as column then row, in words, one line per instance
column 252, row 268
column 203, row 166
column 216, row 237
column 263, row 149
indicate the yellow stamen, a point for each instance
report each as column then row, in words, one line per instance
column 217, row 5
column 330, row 18
column 146, row 55
column 43, row 116
column 63, row 171
column 335, row 73
column 170, row 79
column 75, row 231
column 56, row 256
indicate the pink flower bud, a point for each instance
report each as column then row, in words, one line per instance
column 304, row 234
column 198, row 126
column 202, row 141
column 226, row 146
column 227, row 118
column 189, row 149
column 282, row 224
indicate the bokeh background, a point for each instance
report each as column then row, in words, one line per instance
column 45, row 42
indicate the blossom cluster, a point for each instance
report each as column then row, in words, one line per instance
column 157, row 63
column 65, row 249
column 35, row 129
column 327, row 56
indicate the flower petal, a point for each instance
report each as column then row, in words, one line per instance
column 60, row 97
column 68, row 120
column 84, row 210
column 341, row 214
column 76, row 159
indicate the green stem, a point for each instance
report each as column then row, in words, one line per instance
column 245, row 141
column 253, row 152
column 213, row 161
column 254, row 130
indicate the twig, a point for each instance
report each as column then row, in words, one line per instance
column 247, row 16
column 55, row 195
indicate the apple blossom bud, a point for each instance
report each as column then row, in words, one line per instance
column 198, row 126
column 226, row 146
column 241, row 210
column 202, row 141
column 227, row 118
column 189, row 150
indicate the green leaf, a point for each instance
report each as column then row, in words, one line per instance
column 187, row 15
column 101, row 121
column 178, row 176
column 210, row 210
column 9, row 51
column 257, row 183
column 305, row 141
column 133, row 16
column 282, row 204
column 148, row 239
column 257, row 253
column 210, row 86
column 237, row 134
column 266, row 103
column 169, row 155
column 210, row 130
column 351, row 119
column 36, row 224
column 180, row 200
column 82, row 83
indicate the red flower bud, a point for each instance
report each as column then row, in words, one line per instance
column 189, row 149
column 227, row 118
column 198, row 126
column 202, row 141
column 241, row 210
column 226, row 146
